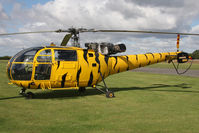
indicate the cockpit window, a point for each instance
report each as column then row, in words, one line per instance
column 65, row 55
column 14, row 57
column 43, row 72
column 45, row 52
column 26, row 55
column 45, row 56
column 21, row 71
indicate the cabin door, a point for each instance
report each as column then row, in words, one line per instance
column 42, row 68
column 64, row 68
column 43, row 65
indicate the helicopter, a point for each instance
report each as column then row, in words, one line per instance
column 63, row 67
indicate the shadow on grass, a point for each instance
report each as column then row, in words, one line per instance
column 89, row 92
column 7, row 98
column 72, row 94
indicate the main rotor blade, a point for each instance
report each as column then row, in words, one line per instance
column 34, row 32
column 66, row 39
column 81, row 30
column 148, row 32
column 5, row 34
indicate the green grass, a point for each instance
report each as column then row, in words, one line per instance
column 195, row 66
column 144, row 102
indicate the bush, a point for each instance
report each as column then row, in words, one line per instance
column 5, row 58
column 195, row 54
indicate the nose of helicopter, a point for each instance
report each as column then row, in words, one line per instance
column 19, row 71
column 20, row 66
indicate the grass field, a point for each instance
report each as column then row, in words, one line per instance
column 144, row 103
column 195, row 65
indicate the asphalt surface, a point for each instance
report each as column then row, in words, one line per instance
column 192, row 73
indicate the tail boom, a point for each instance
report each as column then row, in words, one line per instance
column 129, row 62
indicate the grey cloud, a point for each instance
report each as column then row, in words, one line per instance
column 3, row 17
column 127, row 10
column 155, row 15
column 159, row 3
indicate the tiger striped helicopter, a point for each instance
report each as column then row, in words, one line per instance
column 63, row 67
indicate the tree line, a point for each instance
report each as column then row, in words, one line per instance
column 195, row 54
column 5, row 57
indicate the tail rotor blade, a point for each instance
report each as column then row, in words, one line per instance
column 66, row 39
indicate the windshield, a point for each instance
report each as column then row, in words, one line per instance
column 20, row 65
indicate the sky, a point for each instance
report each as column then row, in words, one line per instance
column 153, row 15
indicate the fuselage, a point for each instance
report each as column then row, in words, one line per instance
column 64, row 67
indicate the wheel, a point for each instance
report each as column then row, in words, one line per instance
column 82, row 89
column 110, row 94
column 29, row 95
column 22, row 91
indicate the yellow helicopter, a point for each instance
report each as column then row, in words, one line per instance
column 62, row 67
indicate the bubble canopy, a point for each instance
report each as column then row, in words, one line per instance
column 20, row 66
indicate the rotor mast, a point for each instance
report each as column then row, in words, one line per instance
column 75, row 37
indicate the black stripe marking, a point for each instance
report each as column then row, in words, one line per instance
column 149, row 63
column 104, row 75
column 58, row 64
column 152, row 55
column 85, row 55
column 29, row 85
column 106, row 58
column 78, row 75
column 63, row 80
column 39, row 86
column 160, row 55
column 127, row 59
column 146, row 56
column 21, row 85
column 115, row 62
column 136, row 57
column 97, row 60
column 91, row 79
column 118, row 70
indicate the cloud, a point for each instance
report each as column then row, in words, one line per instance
column 3, row 17
column 158, row 15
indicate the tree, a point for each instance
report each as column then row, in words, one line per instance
column 195, row 54
column 5, row 58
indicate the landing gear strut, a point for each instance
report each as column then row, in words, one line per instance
column 109, row 94
column 28, row 95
